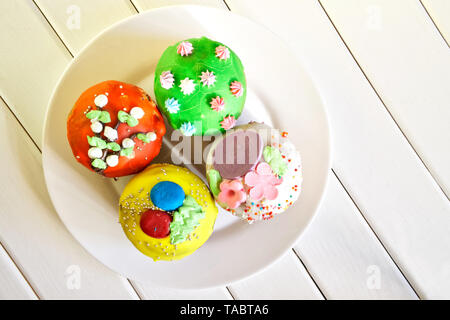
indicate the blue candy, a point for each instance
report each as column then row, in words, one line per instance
column 167, row 195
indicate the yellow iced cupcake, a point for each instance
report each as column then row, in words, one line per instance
column 167, row 212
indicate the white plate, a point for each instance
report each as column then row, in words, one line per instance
column 279, row 93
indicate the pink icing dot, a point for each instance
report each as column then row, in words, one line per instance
column 185, row 48
column 228, row 122
column 236, row 89
column 217, row 103
column 222, row 53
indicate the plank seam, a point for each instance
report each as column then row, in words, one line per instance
column 309, row 273
column 134, row 6
column 436, row 181
column 434, row 23
column 136, row 290
column 51, row 26
column 230, row 292
column 20, row 123
column 226, row 4
column 376, row 235
column 20, row 271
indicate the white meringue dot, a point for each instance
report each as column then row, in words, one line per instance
column 152, row 136
column 112, row 160
column 96, row 127
column 95, row 153
column 110, row 133
column 137, row 112
column 101, row 100
column 127, row 143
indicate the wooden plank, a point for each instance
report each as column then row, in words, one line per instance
column 81, row 20
column 283, row 280
column 412, row 77
column 142, row 5
column 32, row 61
column 344, row 256
column 382, row 173
column 439, row 11
column 13, row 285
column 158, row 293
column 56, row 266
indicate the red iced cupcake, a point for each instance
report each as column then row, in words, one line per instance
column 115, row 129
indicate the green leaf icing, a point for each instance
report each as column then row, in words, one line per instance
column 113, row 146
column 94, row 114
column 99, row 164
column 126, row 152
column 143, row 137
column 122, row 116
column 273, row 157
column 214, row 181
column 96, row 142
column 125, row 117
column 185, row 219
column 132, row 122
column 104, row 117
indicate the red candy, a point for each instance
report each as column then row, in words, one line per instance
column 156, row 223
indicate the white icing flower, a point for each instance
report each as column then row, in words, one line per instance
column 187, row 86
column 137, row 113
column 172, row 105
column 110, row 133
column 187, row 129
column 127, row 143
column 96, row 126
column 208, row 78
column 112, row 160
column 152, row 136
column 101, row 100
column 95, row 153
column 166, row 79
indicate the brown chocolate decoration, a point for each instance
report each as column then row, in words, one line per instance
column 237, row 153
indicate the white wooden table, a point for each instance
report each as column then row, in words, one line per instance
column 382, row 68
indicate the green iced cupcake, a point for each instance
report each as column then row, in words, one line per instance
column 200, row 86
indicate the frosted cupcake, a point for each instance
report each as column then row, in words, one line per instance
column 115, row 129
column 254, row 172
column 200, row 86
column 167, row 212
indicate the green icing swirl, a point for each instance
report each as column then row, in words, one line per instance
column 214, row 181
column 273, row 157
column 196, row 108
column 185, row 219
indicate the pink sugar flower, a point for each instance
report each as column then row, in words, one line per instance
column 217, row 104
column 228, row 122
column 236, row 89
column 232, row 193
column 263, row 182
column 185, row 48
column 222, row 52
